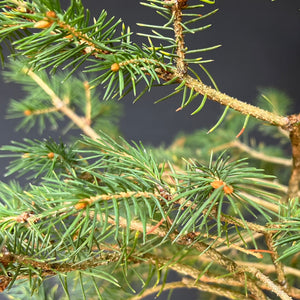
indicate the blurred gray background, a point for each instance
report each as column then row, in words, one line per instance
column 260, row 48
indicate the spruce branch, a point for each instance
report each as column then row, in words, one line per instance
column 275, row 288
column 234, row 220
column 111, row 201
column 60, row 105
column 176, row 8
column 236, row 104
column 270, row 268
column 167, row 73
column 199, row 279
column 266, row 268
column 220, row 259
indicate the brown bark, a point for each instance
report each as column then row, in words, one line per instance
column 294, row 129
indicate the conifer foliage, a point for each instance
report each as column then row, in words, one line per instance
column 99, row 217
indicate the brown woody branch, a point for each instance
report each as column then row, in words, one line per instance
column 60, row 105
column 222, row 260
column 176, row 8
column 191, row 284
column 254, row 153
column 269, row 236
column 294, row 182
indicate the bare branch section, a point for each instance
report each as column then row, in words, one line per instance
column 188, row 283
column 236, row 104
column 222, row 98
column 176, row 8
column 294, row 183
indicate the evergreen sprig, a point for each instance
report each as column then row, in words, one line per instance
column 222, row 187
column 164, row 9
column 103, row 195
column 52, row 38
column 38, row 107
column 58, row 36
column 65, row 30
column 45, row 158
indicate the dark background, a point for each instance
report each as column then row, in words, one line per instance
column 260, row 48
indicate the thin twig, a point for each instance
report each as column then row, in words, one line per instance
column 243, row 241
column 244, row 224
column 88, row 106
column 275, row 258
column 60, row 105
column 187, row 283
column 269, row 268
column 255, row 154
column 275, row 288
column 157, row 288
column 231, row 246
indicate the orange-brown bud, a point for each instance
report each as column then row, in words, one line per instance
column 115, row 67
column 80, row 205
column 228, row 189
column 42, row 24
column 69, row 36
column 27, row 112
column 51, row 14
column 217, row 183
column 50, row 155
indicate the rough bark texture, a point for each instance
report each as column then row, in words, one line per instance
column 294, row 129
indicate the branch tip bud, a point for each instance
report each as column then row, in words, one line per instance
column 81, row 205
column 115, row 67
column 51, row 14
column 50, row 155
column 228, row 190
column 27, row 112
column 217, row 183
column 42, row 24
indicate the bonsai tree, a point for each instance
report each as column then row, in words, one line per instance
column 96, row 216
